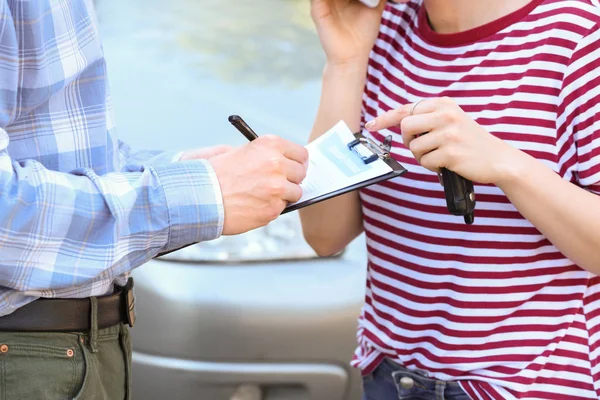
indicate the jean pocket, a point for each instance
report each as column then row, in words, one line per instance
column 106, row 370
column 378, row 387
column 34, row 368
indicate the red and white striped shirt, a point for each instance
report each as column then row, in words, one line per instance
column 494, row 305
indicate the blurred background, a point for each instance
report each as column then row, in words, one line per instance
column 251, row 317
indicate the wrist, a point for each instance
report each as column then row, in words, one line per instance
column 513, row 168
column 353, row 68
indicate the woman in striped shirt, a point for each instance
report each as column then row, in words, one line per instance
column 509, row 93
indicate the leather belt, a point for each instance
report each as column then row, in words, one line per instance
column 72, row 315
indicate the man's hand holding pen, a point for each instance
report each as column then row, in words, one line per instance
column 258, row 180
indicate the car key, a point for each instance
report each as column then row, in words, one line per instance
column 459, row 192
column 460, row 195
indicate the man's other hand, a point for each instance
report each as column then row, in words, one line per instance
column 205, row 153
column 258, row 180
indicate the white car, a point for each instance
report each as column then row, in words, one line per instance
column 252, row 317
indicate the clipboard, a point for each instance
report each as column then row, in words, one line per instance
column 368, row 151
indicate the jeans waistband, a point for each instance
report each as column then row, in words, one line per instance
column 419, row 376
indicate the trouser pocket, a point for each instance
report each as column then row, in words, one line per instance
column 44, row 366
column 107, row 369
column 125, row 340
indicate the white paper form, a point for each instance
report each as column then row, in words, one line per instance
column 333, row 166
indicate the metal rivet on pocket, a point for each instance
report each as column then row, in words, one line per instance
column 70, row 353
column 3, row 348
column 406, row 382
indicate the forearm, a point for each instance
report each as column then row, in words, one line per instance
column 567, row 215
column 341, row 97
column 329, row 226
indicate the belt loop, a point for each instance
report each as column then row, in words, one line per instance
column 94, row 324
column 440, row 389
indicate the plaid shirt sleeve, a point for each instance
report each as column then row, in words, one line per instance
column 60, row 230
column 134, row 161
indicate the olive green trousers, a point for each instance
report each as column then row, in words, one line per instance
column 61, row 366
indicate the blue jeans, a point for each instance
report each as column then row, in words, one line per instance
column 391, row 381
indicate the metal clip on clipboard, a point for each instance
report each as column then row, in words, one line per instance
column 375, row 151
column 459, row 192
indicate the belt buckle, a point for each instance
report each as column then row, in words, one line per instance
column 129, row 302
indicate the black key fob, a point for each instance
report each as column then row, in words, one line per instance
column 460, row 195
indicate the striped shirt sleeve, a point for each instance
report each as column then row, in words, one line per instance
column 578, row 122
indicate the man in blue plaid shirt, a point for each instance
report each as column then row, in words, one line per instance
column 79, row 210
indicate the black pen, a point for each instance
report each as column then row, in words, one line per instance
column 243, row 127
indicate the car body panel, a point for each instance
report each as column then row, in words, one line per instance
column 235, row 309
column 184, row 379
